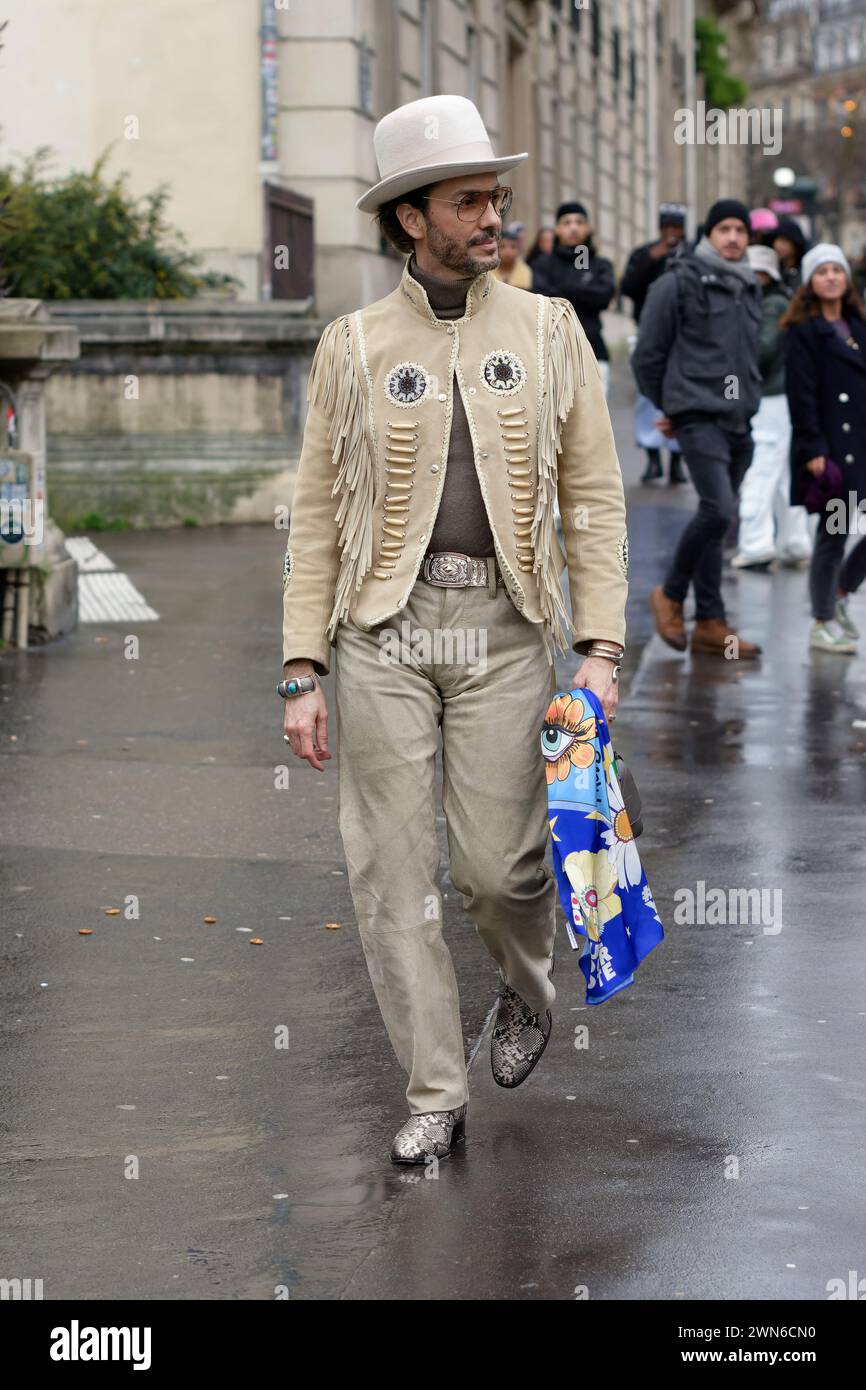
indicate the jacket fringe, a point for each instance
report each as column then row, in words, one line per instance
column 563, row 366
column 335, row 386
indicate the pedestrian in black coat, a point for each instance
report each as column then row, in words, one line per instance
column 574, row 271
column 646, row 263
column 789, row 244
column 825, row 380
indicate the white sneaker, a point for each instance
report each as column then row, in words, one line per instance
column 795, row 560
column 747, row 562
column 822, row 639
column 845, row 621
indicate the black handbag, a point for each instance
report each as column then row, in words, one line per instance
column 630, row 794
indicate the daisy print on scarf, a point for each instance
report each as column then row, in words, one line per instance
column 619, row 838
column 594, row 900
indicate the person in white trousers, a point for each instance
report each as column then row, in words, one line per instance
column 770, row 528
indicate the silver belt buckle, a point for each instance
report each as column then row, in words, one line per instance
column 453, row 570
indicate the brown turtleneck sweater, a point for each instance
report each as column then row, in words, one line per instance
column 461, row 522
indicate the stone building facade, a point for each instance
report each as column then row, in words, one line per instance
column 590, row 89
column 264, row 113
column 808, row 59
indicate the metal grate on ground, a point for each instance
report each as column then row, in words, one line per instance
column 105, row 593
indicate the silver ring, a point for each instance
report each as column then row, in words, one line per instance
column 286, row 738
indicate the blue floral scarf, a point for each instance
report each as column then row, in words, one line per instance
column 602, row 886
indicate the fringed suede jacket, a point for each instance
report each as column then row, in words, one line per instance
column 372, row 465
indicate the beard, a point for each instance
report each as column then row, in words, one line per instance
column 456, row 255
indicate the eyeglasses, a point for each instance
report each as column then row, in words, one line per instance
column 472, row 205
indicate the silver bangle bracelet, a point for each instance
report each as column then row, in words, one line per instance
column 296, row 685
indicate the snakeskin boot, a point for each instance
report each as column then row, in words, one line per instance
column 431, row 1135
column 519, row 1038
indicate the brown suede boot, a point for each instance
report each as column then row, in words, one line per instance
column 716, row 636
column 668, row 615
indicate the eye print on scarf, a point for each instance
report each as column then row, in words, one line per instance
column 503, row 373
column 566, row 739
column 288, row 568
column 407, row 384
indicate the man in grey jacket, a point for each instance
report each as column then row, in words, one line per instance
column 697, row 359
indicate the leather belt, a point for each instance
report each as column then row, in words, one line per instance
column 451, row 569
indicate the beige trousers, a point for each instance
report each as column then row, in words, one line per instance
column 485, row 679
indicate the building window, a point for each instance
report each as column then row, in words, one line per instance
column 632, row 75
column 364, row 77
column 575, row 7
column 426, row 44
column 595, row 20
column 678, row 65
column 615, row 54
column 473, row 63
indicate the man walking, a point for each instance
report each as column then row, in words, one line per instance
column 697, row 356
column 575, row 271
column 645, row 264
column 444, row 420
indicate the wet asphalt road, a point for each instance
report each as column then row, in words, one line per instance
column 707, row 1144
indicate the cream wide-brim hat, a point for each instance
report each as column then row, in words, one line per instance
column 426, row 141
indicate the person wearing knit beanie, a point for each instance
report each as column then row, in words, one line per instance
column 763, row 220
column 792, row 231
column 565, row 208
column 825, row 253
column 789, row 244
column 722, row 210
column 699, row 336
column 672, row 215
column 825, row 381
column 575, row 271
